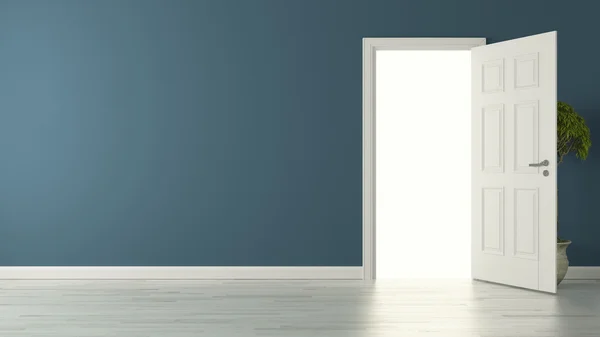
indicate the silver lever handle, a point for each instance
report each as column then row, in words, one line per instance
column 543, row 163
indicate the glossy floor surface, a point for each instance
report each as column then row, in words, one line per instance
column 295, row 308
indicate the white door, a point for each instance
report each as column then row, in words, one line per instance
column 514, row 162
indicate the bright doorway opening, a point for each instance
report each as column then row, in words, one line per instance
column 423, row 164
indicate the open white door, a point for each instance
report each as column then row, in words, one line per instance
column 514, row 162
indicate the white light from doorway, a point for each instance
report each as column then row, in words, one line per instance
column 423, row 164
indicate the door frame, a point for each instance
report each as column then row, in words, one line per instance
column 370, row 46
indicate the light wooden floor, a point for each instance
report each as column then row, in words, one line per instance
column 294, row 308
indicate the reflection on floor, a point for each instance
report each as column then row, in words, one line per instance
column 295, row 308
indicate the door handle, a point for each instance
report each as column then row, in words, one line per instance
column 543, row 163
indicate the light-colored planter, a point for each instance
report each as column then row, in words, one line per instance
column 562, row 262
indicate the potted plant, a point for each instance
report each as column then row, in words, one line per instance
column 573, row 136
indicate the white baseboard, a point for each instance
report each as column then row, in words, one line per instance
column 183, row 273
column 583, row 273
column 216, row 273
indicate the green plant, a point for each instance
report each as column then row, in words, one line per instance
column 572, row 136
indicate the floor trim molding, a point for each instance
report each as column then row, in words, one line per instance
column 583, row 273
column 176, row 273
column 216, row 273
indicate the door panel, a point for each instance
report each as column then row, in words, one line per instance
column 493, row 138
column 526, row 137
column 526, row 223
column 513, row 127
column 493, row 221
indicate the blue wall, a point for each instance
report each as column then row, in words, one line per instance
column 227, row 132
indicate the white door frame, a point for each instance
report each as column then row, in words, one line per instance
column 370, row 47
